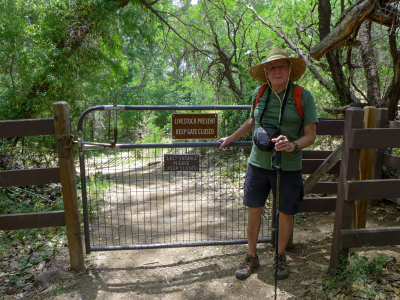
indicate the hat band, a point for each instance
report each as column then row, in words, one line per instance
column 275, row 57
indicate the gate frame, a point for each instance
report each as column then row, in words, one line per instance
column 113, row 145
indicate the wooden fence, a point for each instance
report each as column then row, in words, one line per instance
column 348, row 188
column 64, row 174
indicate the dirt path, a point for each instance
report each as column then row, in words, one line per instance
column 208, row 272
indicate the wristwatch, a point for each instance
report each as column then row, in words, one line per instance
column 296, row 147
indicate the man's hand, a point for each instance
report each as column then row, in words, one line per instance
column 282, row 144
column 224, row 142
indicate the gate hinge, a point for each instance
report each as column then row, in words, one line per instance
column 61, row 137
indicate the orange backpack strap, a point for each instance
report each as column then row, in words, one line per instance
column 260, row 94
column 297, row 98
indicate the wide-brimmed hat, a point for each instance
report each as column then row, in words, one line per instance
column 298, row 65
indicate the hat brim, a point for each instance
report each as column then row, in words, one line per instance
column 298, row 67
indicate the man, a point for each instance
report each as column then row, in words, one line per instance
column 279, row 71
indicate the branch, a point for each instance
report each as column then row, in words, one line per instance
column 344, row 29
column 156, row 13
column 357, row 89
column 291, row 44
column 388, row 15
column 351, row 20
column 336, row 111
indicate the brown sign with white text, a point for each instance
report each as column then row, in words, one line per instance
column 194, row 126
column 181, row 162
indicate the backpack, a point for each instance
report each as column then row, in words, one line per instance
column 296, row 97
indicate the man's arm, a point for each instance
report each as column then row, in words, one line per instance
column 310, row 134
column 245, row 128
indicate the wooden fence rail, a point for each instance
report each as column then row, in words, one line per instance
column 64, row 174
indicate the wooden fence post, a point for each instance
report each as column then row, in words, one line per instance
column 349, row 165
column 68, row 182
column 366, row 169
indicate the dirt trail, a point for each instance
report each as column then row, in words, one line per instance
column 208, row 272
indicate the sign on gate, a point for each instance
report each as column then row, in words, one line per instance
column 181, row 162
column 194, row 126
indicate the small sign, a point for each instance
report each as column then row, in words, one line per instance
column 194, row 126
column 181, row 162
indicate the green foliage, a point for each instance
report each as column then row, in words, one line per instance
column 30, row 247
column 359, row 270
column 15, row 200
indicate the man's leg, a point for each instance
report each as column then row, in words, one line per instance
column 285, row 231
column 253, row 228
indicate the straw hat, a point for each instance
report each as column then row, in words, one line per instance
column 297, row 69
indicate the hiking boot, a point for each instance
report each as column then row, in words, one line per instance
column 283, row 268
column 247, row 266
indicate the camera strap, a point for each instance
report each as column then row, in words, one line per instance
column 283, row 104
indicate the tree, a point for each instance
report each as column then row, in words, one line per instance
column 213, row 39
column 52, row 51
column 355, row 21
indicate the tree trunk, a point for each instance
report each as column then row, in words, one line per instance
column 392, row 96
column 345, row 95
column 369, row 63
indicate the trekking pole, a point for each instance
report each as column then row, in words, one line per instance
column 277, row 167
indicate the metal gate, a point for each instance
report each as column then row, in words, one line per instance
column 130, row 202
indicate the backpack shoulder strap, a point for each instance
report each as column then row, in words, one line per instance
column 260, row 94
column 297, row 98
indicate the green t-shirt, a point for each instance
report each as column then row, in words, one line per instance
column 291, row 125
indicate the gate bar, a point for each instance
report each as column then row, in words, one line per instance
column 159, row 107
column 98, row 146
column 177, row 245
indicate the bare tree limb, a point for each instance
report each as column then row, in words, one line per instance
column 351, row 20
column 294, row 47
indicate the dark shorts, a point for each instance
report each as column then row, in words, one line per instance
column 259, row 182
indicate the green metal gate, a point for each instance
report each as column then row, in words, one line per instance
column 131, row 202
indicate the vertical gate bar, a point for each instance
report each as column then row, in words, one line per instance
column 219, row 198
column 197, row 150
column 144, row 200
column 130, row 195
column 84, row 200
column 97, row 202
column 123, row 227
column 110, row 204
column 150, row 198
column 216, row 167
column 145, row 155
column 136, row 196
column 234, row 209
column 104, row 188
column 102, row 192
column 163, row 201
column 150, row 193
column 156, row 188
column 183, row 206
column 236, row 156
column 170, row 200
column 202, row 157
column 116, row 204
